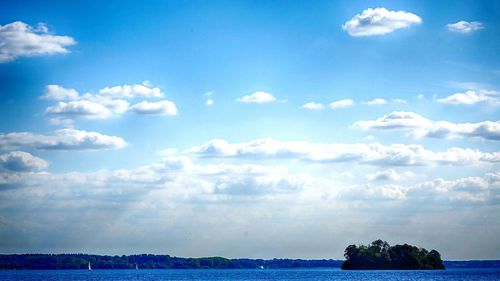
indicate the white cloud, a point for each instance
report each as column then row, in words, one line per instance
column 377, row 101
column 19, row 39
column 389, row 175
column 402, row 101
column 420, row 126
column 368, row 154
column 394, row 121
column 163, row 107
column 19, row 161
column 209, row 102
column 473, row 97
column 64, row 139
column 257, row 97
column 179, row 179
column 144, row 90
column 341, row 103
column 470, row 189
column 373, row 193
column 261, row 201
column 379, row 21
column 58, row 93
column 464, row 27
column 84, row 109
column 313, row 106
column 109, row 102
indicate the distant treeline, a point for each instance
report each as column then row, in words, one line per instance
column 380, row 255
column 80, row 261
column 472, row 264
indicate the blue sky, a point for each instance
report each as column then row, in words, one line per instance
column 249, row 128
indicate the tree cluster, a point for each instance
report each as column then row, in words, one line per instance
column 380, row 255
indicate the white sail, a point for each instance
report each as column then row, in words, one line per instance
column 90, row 267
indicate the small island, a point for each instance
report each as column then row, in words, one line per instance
column 380, row 255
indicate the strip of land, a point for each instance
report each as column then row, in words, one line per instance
column 147, row 261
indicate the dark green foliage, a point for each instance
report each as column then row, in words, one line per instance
column 80, row 261
column 380, row 255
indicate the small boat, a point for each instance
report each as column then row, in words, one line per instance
column 90, row 267
column 136, row 267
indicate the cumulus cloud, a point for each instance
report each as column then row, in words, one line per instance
column 464, row 27
column 420, row 126
column 64, row 139
column 144, row 90
column 257, row 97
column 163, row 107
column 107, row 103
column 472, row 97
column 389, row 175
column 379, row 21
column 178, row 178
column 341, row 103
column 20, row 161
column 479, row 189
column 471, row 189
column 313, row 106
column 19, row 39
column 87, row 109
column 58, row 93
column 368, row 154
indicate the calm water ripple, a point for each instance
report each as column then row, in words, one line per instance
column 250, row 275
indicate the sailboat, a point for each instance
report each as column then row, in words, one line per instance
column 136, row 267
column 90, row 267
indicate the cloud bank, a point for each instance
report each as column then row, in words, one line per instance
column 368, row 154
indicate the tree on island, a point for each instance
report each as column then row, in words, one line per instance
column 380, row 255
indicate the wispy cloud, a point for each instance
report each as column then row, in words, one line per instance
column 377, row 101
column 163, row 107
column 342, row 103
column 473, row 97
column 313, row 106
column 465, row 27
column 257, row 97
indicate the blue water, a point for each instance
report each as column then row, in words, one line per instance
column 251, row 275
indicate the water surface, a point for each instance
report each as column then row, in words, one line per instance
column 250, row 275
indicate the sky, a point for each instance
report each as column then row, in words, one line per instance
column 258, row 129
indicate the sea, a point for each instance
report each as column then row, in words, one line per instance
column 250, row 275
